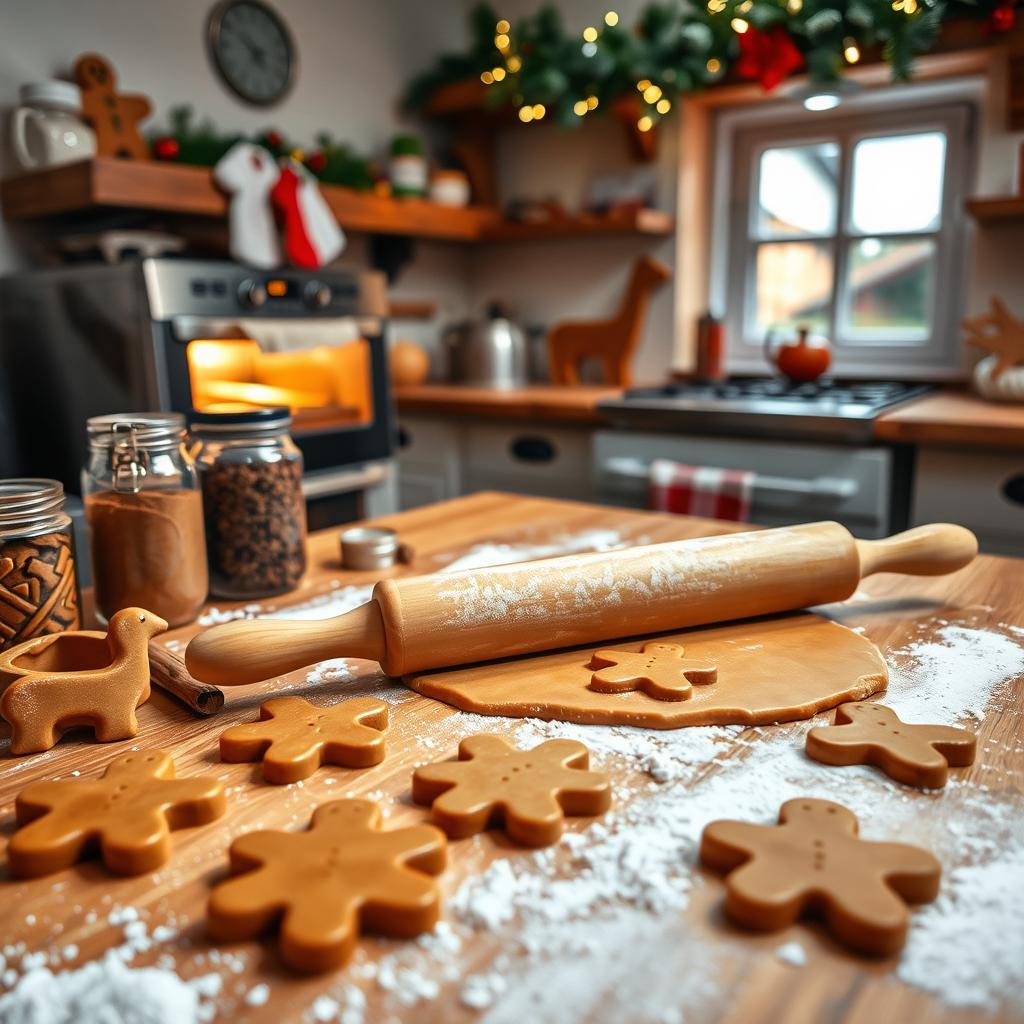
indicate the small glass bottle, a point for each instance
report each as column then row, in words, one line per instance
column 145, row 516
column 251, row 474
column 38, row 586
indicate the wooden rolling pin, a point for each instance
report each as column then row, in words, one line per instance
column 425, row 622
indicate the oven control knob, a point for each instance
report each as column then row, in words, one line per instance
column 317, row 295
column 251, row 293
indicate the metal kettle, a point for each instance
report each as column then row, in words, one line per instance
column 488, row 353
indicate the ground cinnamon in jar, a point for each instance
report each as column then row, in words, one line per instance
column 144, row 549
column 145, row 516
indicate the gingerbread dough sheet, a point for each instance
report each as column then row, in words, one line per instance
column 777, row 669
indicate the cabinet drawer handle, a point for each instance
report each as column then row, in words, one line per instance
column 533, row 449
column 1013, row 489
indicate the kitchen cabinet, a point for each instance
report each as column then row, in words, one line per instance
column 982, row 490
column 441, row 459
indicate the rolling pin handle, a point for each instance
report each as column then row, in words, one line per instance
column 931, row 550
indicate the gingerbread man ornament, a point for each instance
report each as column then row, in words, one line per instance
column 813, row 861
column 128, row 813
column 324, row 884
column 113, row 117
column 870, row 733
column 529, row 791
column 660, row 671
column 295, row 737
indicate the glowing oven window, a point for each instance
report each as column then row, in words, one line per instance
column 326, row 386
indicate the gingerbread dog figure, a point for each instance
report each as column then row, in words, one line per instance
column 114, row 118
column 79, row 678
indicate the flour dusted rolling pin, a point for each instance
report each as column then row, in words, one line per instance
column 424, row 622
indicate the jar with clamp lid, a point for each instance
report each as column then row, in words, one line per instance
column 145, row 515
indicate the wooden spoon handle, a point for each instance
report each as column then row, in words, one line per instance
column 931, row 550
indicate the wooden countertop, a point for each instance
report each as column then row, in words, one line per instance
column 547, row 402
column 741, row 977
column 954, row 418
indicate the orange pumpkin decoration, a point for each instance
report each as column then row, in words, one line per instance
column 800, row 361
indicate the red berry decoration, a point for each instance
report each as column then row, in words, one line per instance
column 166, row 148
column 1003, row 17
column 317, row 162
column 274, row 139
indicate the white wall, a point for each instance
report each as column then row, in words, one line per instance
column 354, row 57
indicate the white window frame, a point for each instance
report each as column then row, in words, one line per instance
column 743, row 134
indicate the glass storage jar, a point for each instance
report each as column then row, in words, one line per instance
column 145, row 515
column 38, row 587
column 251, row 472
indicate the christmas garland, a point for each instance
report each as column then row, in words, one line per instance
column 203, row 145
column 682, row 47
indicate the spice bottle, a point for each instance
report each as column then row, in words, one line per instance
column 38, row 588
column 145, row 516
column 251, row 473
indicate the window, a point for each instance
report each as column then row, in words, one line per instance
column 851, row 226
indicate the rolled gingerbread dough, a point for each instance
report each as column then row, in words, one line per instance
column 776, row 669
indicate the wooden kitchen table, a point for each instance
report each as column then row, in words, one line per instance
column 69, row 914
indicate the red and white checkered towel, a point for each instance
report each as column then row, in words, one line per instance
column 700, row 490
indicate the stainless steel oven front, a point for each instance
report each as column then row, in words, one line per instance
column 182, row 334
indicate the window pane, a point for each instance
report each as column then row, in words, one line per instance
column 794, row 285
column 797, row 191
column 897, row 183
column 889, row 288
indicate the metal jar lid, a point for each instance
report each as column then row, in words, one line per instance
column 243, row 421
column 30, row 505
column 368, row 547
column 146, row 430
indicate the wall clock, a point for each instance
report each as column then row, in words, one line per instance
column 252, row 50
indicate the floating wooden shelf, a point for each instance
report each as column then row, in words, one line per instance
column 106, row 183
column 997, row 209
column 629, row 222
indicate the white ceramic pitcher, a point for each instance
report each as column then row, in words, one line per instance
column 47, row 129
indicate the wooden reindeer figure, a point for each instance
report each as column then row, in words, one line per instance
column 612, row 340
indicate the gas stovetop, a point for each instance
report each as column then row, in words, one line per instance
column 765, row 406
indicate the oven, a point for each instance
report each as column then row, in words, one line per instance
column 179, row 334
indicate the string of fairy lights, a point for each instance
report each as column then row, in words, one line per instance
column 651, row 93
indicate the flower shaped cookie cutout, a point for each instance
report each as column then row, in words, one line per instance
column 324, row 885
column 528, row 791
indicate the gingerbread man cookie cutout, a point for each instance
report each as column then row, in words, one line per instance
column 868, row 733
column 813, row 861
column 659, row 670
column 128, row 813
column 79, row 678
column 113, row 117
column 295, row 737
column 324, row 885
column 528, row 791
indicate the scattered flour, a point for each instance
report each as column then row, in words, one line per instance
column 954, row 677
column 481, row 990
column 102, row 991
column 792, row 953
column 483, row 555
column 258, row 995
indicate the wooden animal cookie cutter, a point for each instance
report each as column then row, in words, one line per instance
column 527, row 791
column 814, row 861
column 659, row 670
column 869, row 733
column 81, row 677
column 323, row 885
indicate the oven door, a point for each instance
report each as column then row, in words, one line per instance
column 331, row 373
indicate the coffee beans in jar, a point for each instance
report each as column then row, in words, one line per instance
column 251, row 474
